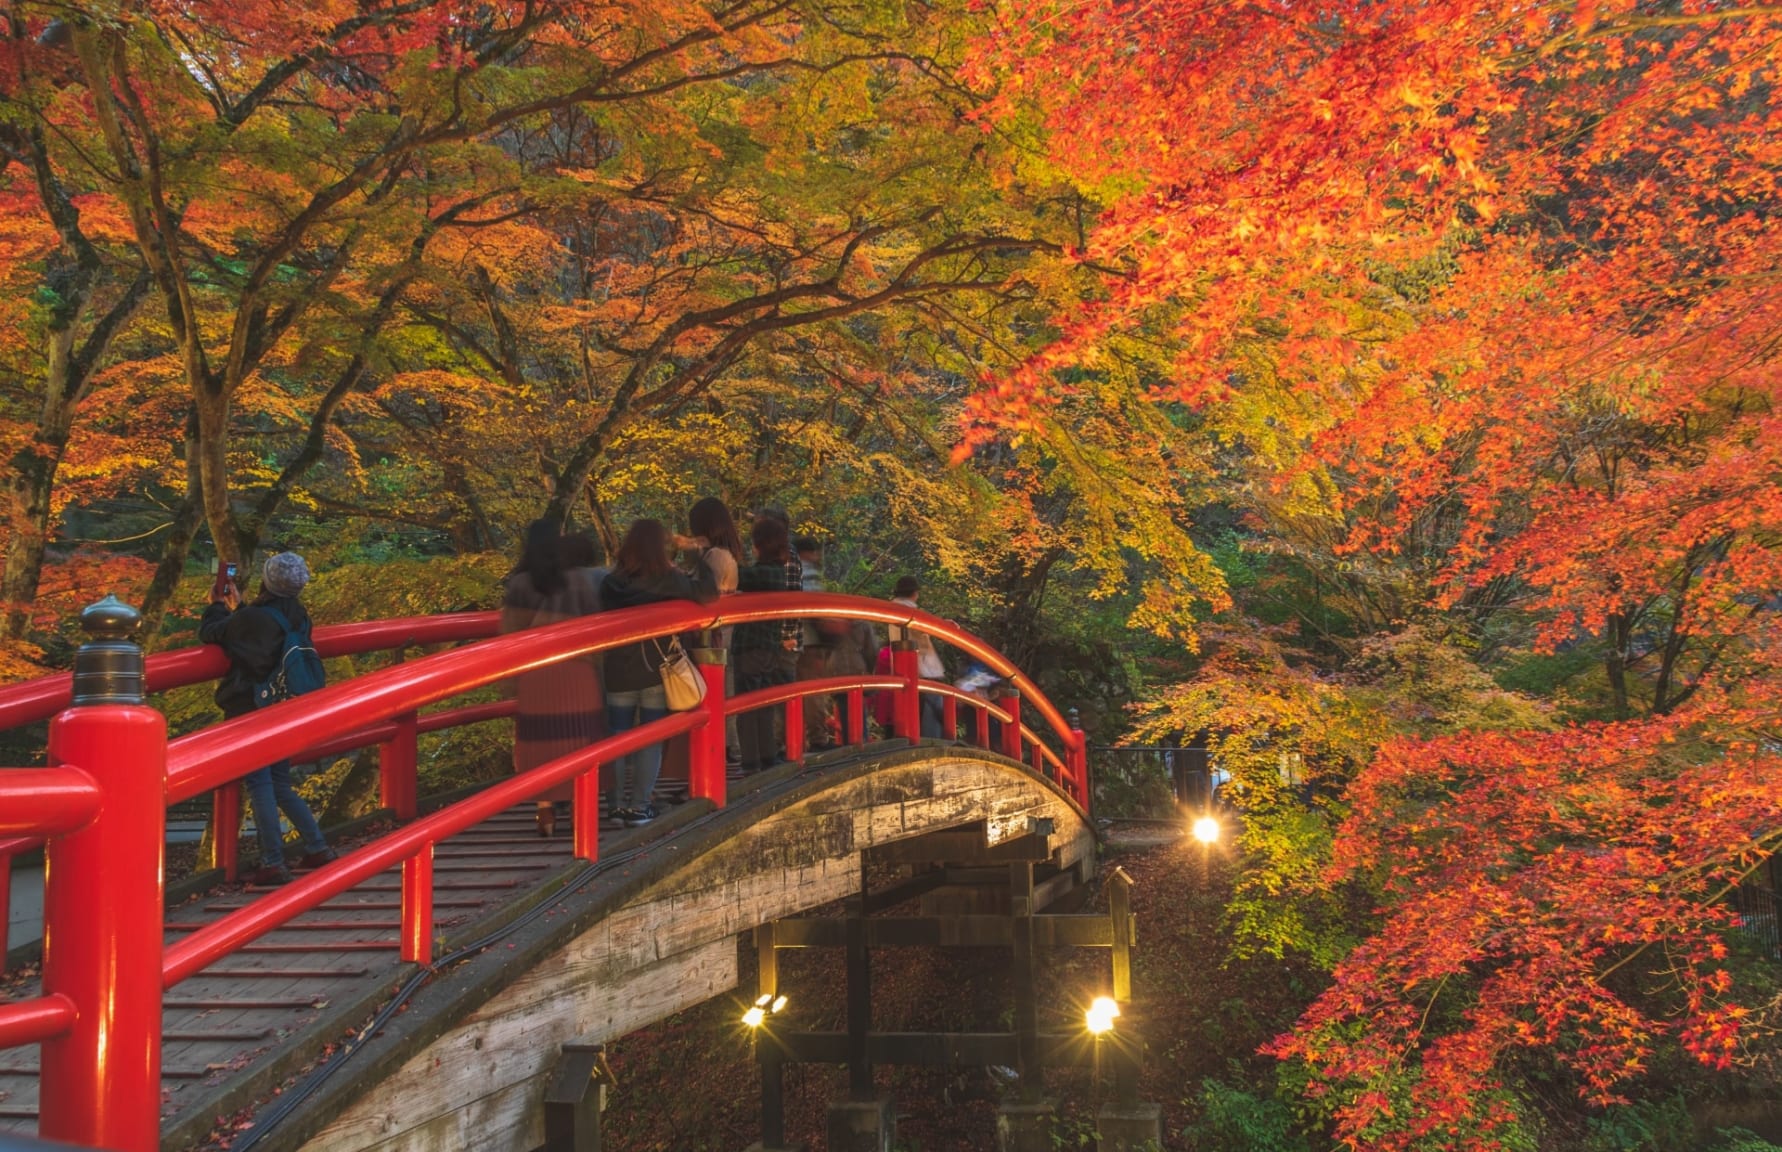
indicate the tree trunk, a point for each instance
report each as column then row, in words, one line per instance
column 28, row 515
column 213, row 474
column 187, row 516
column 1615, row 664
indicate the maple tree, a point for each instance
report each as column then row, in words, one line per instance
column 1480, row 305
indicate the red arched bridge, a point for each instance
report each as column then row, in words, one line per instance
column 154, row 1021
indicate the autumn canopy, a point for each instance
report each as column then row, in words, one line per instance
column 1393, row 387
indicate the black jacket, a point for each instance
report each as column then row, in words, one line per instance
column 633, row 668
column 762, row 635
column 254, row 642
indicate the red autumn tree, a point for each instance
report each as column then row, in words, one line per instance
column 1495, row 289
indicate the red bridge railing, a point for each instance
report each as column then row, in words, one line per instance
column 101, row 808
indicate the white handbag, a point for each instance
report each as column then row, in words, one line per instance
column 681, row 681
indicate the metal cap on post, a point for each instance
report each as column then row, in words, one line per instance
column 108, row 667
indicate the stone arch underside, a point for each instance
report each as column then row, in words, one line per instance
column 668, row 940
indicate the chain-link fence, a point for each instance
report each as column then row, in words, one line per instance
column 1755, row 903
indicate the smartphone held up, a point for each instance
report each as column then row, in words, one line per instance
column 224, row 584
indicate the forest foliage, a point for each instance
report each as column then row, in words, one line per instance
column 1383, row 393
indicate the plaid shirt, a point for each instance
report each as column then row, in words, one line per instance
column 793, row 630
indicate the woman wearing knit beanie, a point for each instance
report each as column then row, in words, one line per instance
column 254, row 635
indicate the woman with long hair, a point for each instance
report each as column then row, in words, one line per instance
column 559, row 706
column 715, row 533
column 642, row 573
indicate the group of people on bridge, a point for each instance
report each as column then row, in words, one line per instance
column 575, row 702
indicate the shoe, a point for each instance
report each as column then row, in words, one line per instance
column 547, row 822
column 638, row 817
column 272, row 876
column 733, row 758
column 317, row 859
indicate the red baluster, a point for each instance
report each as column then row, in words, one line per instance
column 225, row 830
column 857, row 716
column 1080, row 768
column 5, row 904
column 906, row 712
column 417, row 907
column 983, row 719
column 396, row 764
column 585, row 794
column 1011, row 728
column 949, row 718
column 705, row 744
column 795, row 729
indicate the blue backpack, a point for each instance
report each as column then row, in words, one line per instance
column 299, row 667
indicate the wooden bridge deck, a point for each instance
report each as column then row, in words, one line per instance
column 324, row 970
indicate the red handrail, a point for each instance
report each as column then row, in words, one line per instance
column 39, row 699
column 224, row 752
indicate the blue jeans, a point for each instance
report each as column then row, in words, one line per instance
column 634, row 776
column 933, row 714
column 269, row 791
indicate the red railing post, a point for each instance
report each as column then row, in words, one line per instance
column 5, row 904
column 795, row 729
column 225, row 830
column 417, row 906
column 856, row 733
column 585, row 812
column 396, row 762
column 1076, row 754
column 102, row 906
column 906, row 709
column 983, row 718
column 949, row 718
column 705, row 744
column 1011, row 728
column 1079, row 770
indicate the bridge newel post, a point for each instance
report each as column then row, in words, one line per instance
column 705, row 744
column 103, row 904
column 906, row 713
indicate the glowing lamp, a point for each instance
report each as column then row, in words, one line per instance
column 1100, row 1017
column 1206, row 830
column 764, row 1004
